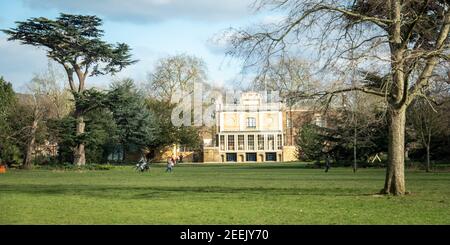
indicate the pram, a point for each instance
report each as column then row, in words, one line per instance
column 142, row 165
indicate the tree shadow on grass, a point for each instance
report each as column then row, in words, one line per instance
column 162, row 192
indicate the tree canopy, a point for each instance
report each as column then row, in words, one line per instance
column 404, row 41
column 74, row 41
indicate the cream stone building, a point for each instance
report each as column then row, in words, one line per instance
column 250, row 128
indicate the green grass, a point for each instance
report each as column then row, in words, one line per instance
column 220, row 194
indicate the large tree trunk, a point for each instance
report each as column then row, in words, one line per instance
column 27, row 161
column 79, row 152
column 395, row 173
column 428, row 158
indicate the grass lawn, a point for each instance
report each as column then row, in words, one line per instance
column 220, row 194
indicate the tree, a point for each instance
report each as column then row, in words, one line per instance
column 39, row 107
column 403, row 41
column 7, row 102
column 45, row 100
column 101, row 135
column 356, row 135
column 337, row 138
column 310, row 143
column 51, row 83
column 173, row 73
column 426, row 123
column 74, row 41
column 133, row 119
column 426, row 115
column 286, row 75
column 165, row 133
column 6, row 98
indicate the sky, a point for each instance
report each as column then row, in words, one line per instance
column 154, row 29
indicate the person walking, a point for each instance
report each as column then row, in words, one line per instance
column 327, row 163
column 169, row 165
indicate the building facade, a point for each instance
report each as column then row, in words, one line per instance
column 249, row 129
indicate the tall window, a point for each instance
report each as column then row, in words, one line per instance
column 222, row 142
column 279, row 142
column 251, row 142
column 241, row 142
column 271, row 141
column 260, row 142
column 251, row 122
column 231, row 142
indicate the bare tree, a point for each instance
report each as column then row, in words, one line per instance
column 427, row 116
column 401, row 40
column 39, row 106
column 286, row 75
column 175, row 72
column 46, row 99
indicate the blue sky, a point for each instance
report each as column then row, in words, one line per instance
column 153, row 28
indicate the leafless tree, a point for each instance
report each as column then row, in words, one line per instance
column 402, row 41
column 46, row 99
column 284, row 76
column 427, row 116
column 175, row 72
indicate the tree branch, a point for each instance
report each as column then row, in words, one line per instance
column 432, row 59
column 378, row 21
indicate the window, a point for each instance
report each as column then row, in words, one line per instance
column 251, row 122
column 241, row 142
column 260, row 142
column 250, row 157
column 279, row 142
column 250, row 142
column 222, row 142
column 271, row 141
column 288, row 123
column 271, row 156
column 231, row 157
column 185, row 148
column 231, row 142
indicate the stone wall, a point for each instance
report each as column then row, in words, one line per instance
column 211, row 154
column 289, row 154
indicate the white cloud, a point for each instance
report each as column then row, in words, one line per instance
column 18, row 62
column 149, row 10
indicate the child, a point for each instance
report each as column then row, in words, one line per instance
column 169, row 165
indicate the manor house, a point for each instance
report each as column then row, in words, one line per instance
column 254, row 128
